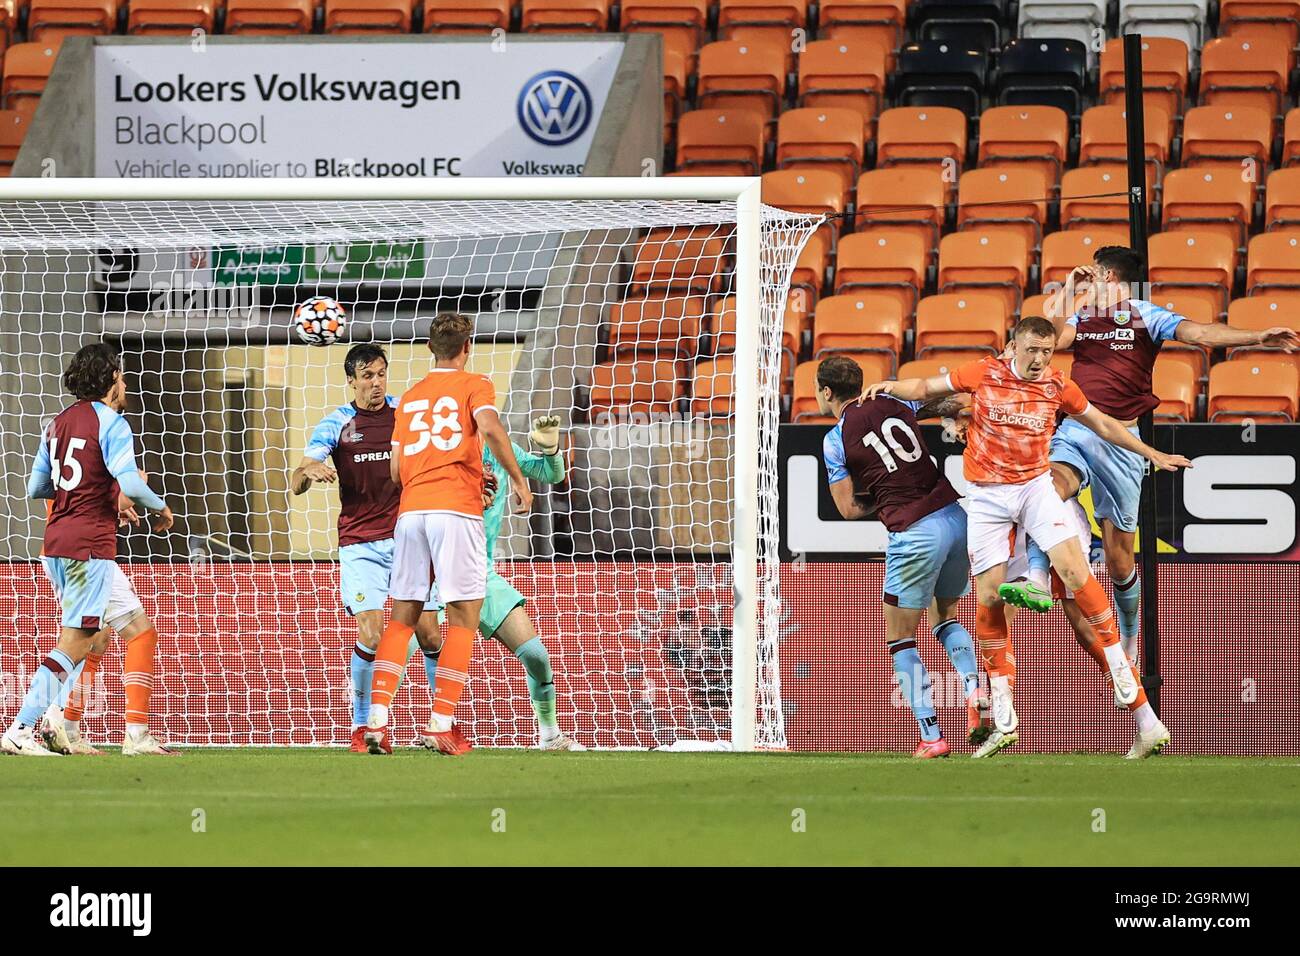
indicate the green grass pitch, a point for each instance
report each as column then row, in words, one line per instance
column 320, row 807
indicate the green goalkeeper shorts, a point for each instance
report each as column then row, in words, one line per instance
column 501, row 598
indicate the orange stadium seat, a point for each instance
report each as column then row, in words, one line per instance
column 1260, row 18
column 826, row 138
column 984, row 260
column 1002, row 200
column 875, row 368
column 807, row 190
column 933, row 135
column 27, row 69
column 862, row 322
column 760, row 20
column 1193, row 309
column 713, row 390
column 1224, row 136
column 889, row 261
column 1291, row 139
column 1064, row 251
column 1282, row 200
column 1094, row 195
column 685, row 19
column 644, row 385
column 663, row 324
column 810, row 268
column 679, row 261
column 52, row 19
column 928, row 368
column 9, row 14
column 1246, row 71
column 902, row 197
column 1208, row 200
column 1260, row 312
column 13, row 129
column 722, row 326
column 739, row 75
column 1201, row 264
column 961, row 321
column 850, row 74
column 1103, row 135
column 466, row 16
column 1273, row 263
column 360, row 17
column 1164, row 73
column 1035, row 137
column 1176, row 387
column 1245, row 388
column 269, row 17
column 1035, row 305
column 169, row 17
column 721, row 142
column 876, row 21
column 564, row 16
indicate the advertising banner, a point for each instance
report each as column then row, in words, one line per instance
column 379, row 109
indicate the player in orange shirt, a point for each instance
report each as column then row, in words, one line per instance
column 437, row 461
column 1014, row 408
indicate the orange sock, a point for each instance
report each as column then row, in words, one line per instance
column 390, row 661
column 81, row 689
column 137, row 675
column 994, row 639
column 1097, row 612
column 1094, row 651
column 453, row 669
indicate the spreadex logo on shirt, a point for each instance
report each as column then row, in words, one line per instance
column 371, row 456
column 1120, row 339
column 1002, row 416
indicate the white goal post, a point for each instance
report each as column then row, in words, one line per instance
column 472, row 239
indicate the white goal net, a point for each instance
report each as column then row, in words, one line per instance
column 629, row 319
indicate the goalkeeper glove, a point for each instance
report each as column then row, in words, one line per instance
column 546, row 434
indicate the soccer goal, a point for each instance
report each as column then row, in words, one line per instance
column 647, row 314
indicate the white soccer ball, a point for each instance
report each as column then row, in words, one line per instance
column 320, row 320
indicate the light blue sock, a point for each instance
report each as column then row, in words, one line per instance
column 914, row 682
column 1128, row 604
column 46, row 684
column 65, row 692
column 541, row 681
column 1038, row 559
column 431, row 669
column 363, row 666
column 957, row 643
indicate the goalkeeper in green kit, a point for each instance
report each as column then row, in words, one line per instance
column 503, row 616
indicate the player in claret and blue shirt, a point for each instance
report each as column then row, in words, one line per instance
column 87, row 453
column 875, row 451
column 352, row 445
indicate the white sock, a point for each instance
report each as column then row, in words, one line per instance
column 378, row 716
column 439, row 723
column 1115, row 657
column 136, row 731
column 548, row 731
column 1146, row 718
column 1039, row 577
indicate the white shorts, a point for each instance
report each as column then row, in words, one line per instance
column 1018, row 566
column 122, row 606
column 993, row 510
column 438, row 546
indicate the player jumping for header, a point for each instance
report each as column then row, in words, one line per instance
column 1014, row 408
column 83, row 452
column 876, row 451
column 1116, row 340
column 439, row 534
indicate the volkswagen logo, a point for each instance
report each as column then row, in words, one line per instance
column 554, row 108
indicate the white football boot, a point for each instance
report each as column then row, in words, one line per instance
column 23, row 741
column 1149, row 743
column 145, row 745
column 561, row 742
column 996, row 743
column 55, row 733
column 1122, row 675
column 1004, row 711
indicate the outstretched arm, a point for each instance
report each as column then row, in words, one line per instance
column 1216, row 335
column 1115, row 433
column 913, row 389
